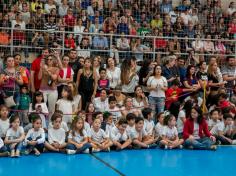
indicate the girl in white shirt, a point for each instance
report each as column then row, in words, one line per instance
column 56, row 135
column 169, row 134
column 113, row 73
column 35, row 137
column 160, row 125
column 65, row 104
column 15, row 136
column 99, row 139
column 78, row 138
column 4, row 121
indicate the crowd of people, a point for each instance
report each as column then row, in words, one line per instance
column 193, row 28
column 83, row 103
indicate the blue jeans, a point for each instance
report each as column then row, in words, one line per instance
column 157, row 103
column 83, row 148
column 202, row 143
column 3, row 149
column 39, row 147
column 18, row 146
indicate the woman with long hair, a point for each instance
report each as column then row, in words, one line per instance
column 191, row 80
column 139, row 100
column 129, row 77
column 196, row 133
column 87, row 82
column 77, row 101
column 113, row 72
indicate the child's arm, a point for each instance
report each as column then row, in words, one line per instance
column 139, row 143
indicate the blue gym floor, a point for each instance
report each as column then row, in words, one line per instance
column 153, row 162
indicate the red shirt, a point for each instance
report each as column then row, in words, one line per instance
column 70, row 43
column 18, row 35
column 232, row 28
column 35, row 66
column 189, row 128
column 172, row 95
column 70, row 20
column 160, row 43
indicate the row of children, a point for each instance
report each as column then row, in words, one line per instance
column 103, row 135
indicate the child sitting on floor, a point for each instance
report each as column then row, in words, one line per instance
column 169, row 134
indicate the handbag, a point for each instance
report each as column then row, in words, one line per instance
column 9, row 101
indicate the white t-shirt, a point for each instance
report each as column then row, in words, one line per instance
column 109, row 129
column 65, row 74
column 129, row 130
column 66, row 107
column 179, row 123
column 170, row 133
column 48, row 8
column 101, row 105
column 196, row 130
column 212, row 123
column 114, row 77
column 138, row 135
column 158, row 83
column 56, row 135
column 87, row 129
column 43, row 106
column 36, row 135
column 98, row 136
column 76, row 137
column 63, row 126
column 220, row 127
column 129, row 88
column 76, row 101
column 139, row 104
column 158, row 129
column 116, row 114
column 4, row 125
column 12, row 134
column 148, row 126
column 1, row 143
column 117, row 136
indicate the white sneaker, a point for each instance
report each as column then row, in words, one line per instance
column 181, row 146
column 166, row 147
column 96, row 150
column 86, row 151
column 234, row 142
column 70, row 152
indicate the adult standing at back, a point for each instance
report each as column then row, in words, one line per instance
column 35, row 67
column 74, row 63
column 229, row 74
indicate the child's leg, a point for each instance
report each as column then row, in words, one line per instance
column 71, row 147
column 126, row 144
column 19, row 147
column 39, row 148
column 51, row 147
column 106, row 144
column 222, row 140
column 177, row 143
column 62, row 147
column 3, row 151
column 163, row 143
column 84, row 147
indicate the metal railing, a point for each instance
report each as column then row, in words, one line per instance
column 153, row 50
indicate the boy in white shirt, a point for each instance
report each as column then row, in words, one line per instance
column 56, row 135
column 214, row 118
column 148, row 122
column 119, row 135
column 113, row 109
column 139, row 137
column 108, row 118
column 223, row 131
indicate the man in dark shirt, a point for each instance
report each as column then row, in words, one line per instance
column 74, row 63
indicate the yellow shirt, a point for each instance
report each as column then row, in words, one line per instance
column 156, row 23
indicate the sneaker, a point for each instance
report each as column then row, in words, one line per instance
column 86, row 151
column 107, row 150
column 17, row 154
column 181, row 146
column 234, row 142
column 12, row 153
column 166, row 147
column 152, row 146
column 213, row 147
column 70, row 152
column 95, row 150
